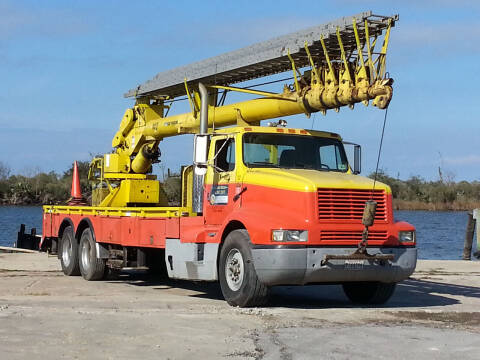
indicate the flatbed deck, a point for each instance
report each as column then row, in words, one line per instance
column 156, row 212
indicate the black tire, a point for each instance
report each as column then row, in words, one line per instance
column 245, row 289
column 369, row 292
column 91, row 267
column 69, row 253
column 156, row 263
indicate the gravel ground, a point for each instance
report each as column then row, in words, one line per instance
column 44, row 314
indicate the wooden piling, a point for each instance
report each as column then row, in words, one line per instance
column 476, row 217
column 467, row 246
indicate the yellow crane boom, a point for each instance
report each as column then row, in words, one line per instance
column 333, row 65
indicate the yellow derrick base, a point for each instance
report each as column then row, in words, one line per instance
column 131, row 191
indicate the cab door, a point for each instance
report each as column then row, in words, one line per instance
column 220, row 180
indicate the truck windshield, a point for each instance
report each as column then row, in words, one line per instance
column 293, row 152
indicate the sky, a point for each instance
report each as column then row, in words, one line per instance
column 65, row 65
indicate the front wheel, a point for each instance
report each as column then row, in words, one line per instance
column 238, row 278
column 91, row 267
column 369, row 292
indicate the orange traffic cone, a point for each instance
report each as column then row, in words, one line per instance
column 76, row 193
column 76, row 189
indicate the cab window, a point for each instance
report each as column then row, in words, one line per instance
column 225, row 155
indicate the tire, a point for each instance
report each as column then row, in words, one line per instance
column 91, row 267
column 238, row 278
column 69, row 253
column 373, row 292
column 156, row 263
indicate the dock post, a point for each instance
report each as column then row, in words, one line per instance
column 476, row 216
column 20, row 236
column 467, row 246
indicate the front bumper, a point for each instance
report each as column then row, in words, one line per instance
column 282, row 265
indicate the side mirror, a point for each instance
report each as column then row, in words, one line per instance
column 357, row 157
column 200, row 153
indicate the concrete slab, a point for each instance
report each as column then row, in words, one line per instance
column 434, row 314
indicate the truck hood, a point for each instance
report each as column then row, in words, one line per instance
column 308, row 180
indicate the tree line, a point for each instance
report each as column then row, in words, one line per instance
column 417, row 193
column 412, row 194
column 52, row 188
column 40, row 188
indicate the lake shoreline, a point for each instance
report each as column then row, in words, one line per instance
column 440, row 234
column 398, row 204
column 415, row 205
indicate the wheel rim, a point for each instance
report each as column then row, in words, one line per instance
column 234, row 269
column 85, row 255
column 66, row 251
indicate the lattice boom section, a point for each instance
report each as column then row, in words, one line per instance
column 335, row 235
column 348, row 204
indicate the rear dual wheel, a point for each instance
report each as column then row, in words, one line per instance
column 91, row 267
column 238, row 279
column 69, row 253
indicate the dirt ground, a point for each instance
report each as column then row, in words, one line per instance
column 46, row 315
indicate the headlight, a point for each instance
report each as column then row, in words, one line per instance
column 406, row 236
column 289, row 235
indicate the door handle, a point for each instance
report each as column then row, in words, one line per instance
column 237, row 196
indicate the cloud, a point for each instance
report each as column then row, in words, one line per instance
column 463, row 160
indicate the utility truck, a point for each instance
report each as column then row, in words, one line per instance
column 261, row 205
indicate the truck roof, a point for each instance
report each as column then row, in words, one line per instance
column 277, row 130
column 265, row 58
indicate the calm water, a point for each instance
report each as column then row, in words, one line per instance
column 440, row 234
column 12, row 216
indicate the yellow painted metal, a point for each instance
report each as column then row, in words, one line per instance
column 381, row 70
column 327, row 58
column 143, row 212
column 126, row 126
column 307, row 180
column 248, row 91
column 99, row 193
column 373, row 73
column 361, row 77
column 143, row 160
column 345, row 88
column 329, row 94
column 225, row 177
column 294, row 69
column 115, row 163
column 316, row 77
column 190, row 101
column 114, row 176
column 187, row 186
column 133, row 191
